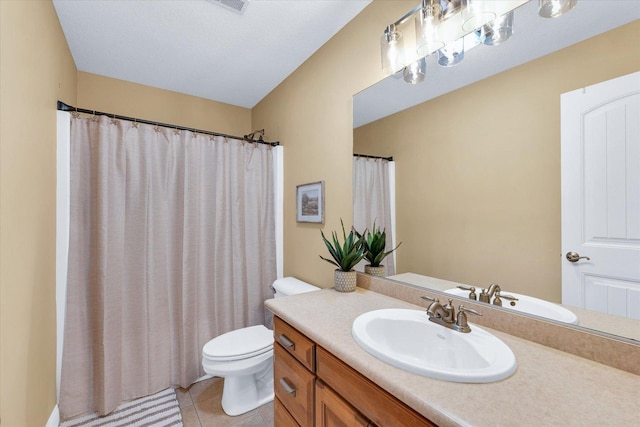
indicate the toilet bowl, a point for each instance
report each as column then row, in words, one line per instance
column 244, row 358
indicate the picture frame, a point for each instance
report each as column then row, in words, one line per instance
column 310, row 202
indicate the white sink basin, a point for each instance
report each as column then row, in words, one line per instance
column 407, row 340
column 529, row 305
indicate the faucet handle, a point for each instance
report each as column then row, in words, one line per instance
column 507, row 297
column 497, row 300
column 471, row 289
column 428, row 298
column 463, row 309
column 461, row 320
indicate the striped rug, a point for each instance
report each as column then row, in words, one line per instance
column 158, row 410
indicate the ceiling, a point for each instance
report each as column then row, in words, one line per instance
column 198, row 47
column 533, row 37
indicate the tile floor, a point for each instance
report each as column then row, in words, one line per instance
column 200, row 407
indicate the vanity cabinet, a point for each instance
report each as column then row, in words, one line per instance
column 315, row 388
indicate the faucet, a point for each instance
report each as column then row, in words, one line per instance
column 446, row 316
column 437, row 311
column 494, row 291
column 485, row 295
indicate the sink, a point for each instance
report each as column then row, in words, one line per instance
column 407, row 340
column 529, row 305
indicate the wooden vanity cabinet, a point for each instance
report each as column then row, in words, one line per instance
column 314, row 388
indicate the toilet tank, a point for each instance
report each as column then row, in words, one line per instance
column 291, row 286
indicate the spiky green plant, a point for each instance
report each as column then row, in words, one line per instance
column 374, row 243
column 346, row 255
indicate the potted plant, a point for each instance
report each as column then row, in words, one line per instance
column 345, row 257
column 374, row 243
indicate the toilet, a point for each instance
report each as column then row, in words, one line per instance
column 244, row 358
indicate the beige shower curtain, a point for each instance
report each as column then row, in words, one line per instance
column 372, row 201
column 172, row 242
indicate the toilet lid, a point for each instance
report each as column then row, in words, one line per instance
column 239, row 343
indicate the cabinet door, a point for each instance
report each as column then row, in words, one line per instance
column 333, row 411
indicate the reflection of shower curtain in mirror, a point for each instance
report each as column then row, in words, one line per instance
column 372, row 201
column 172, row 242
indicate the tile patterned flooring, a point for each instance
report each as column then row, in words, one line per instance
column 200, row 407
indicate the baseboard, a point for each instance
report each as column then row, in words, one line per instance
column 54, row 419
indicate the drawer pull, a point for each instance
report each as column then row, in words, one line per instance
column 286, row 342
column 287, row 387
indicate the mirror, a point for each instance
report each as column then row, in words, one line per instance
column 478, row 157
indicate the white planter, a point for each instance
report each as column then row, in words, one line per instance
column 379, row 271
column 345, row 281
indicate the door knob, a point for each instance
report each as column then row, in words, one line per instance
column 575, row 256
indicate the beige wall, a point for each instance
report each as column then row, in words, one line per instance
column 134, row 100
column 36, row 69
column 479, row 200
column 311, row 114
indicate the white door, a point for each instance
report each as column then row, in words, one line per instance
column 601, row 196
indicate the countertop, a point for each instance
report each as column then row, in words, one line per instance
column 549, row 387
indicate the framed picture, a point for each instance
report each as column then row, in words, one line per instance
column 310, row 202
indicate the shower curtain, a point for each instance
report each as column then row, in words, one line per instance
column 372, row 202
column 172, row 242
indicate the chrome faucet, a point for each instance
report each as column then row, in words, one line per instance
column 446, row 316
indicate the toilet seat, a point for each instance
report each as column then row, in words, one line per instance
column 239, row 344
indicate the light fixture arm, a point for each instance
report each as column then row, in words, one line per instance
column 409, row 14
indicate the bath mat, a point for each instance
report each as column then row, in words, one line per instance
column 158, row 410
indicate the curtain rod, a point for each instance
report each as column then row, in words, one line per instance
column 390, row 158
column 64, row 107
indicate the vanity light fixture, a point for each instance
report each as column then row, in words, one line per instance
column 555, row 8
column 451, row 54
column 476, row 13
column 415, row 72
column 392, row 50
column 497, row 31
column 448, row 28
column 427, row 26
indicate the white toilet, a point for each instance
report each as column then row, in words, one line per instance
column 244, row 358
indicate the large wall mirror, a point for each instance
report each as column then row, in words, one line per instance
column 477, row 151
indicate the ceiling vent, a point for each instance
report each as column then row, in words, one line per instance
column 238, row 6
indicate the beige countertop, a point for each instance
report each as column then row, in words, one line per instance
column 549, row 387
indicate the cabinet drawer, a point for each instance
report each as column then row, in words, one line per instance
column 282, row 417
column 299, row 346
column 293, row 386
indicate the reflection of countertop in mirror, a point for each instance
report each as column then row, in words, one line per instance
column 602, row 322
column 549, row 387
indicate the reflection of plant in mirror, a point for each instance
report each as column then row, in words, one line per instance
column 347, row 255
column 375, row 243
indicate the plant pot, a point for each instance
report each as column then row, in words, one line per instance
column 345, row 281
column 379, row 271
